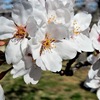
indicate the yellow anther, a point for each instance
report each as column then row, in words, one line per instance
column 51, row 19
column 47, row 43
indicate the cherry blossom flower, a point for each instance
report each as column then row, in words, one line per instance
column 57, row 11
column 16, row 30
column 78, row 28
column 93, row 79
column 49, row 47
column 79, row 35
column 51, row 11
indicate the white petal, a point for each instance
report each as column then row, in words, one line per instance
column 53, row 5
column 21, row 12
column 65, row 50
column 39, row 11
column 63, row 16
column 57, row 31
column 94, row 36
column 6, row 36
column 96, row 44
column 42, row 2
column 32, row 26
column 19, row 69
column 24, row 45
column 40, row 64
column 98, row 94
column 35, row 49
column 93, row 84
column 35, row 72
column 33, row 76
column 28, row 62
column 7, row 28
column 83, row 19
column 40, row 34
column 92, row 58
column 13, row 52
column 2, row 97
column 18, row 73
column 92, row 73
column 51, row 60
column 94, row 69
column 19, row 65
column 93, row 33
column 73, row 43
column 40, row 20
column 29, row 80
column 96, row 65
column 84, row 43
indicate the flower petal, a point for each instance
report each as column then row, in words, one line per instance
column 98, row 94
column 39, row 11
column 33, row 76
column 35, row 49
column 28, row 62
column 93, row 33
column 84, row 43
column 21, row 12
column 51, row 60
column 7, row 28
column 73, row 43
column 2, row 97
column 83, row 19
column 94, row 36
column 18, row 69
column 96, row 44
column 57, row 31
column 92, row 58
column 65, row 50
column 93, row 84
column 42, row 2
column 92, row 73
column 13, row 52
column 94, row 69
column 96, row 65
column 24, row 45
column 40, row 64
column 32, row 26
column 18, row 73
column 63, row 16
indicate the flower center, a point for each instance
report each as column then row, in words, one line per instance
column 47, row 43
column 51, row 19
column 21, row 32
column 76, row 30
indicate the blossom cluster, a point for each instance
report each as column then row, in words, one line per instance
column 43, row 33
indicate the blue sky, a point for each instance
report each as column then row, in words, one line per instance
column 6, row 4
column 7, row 1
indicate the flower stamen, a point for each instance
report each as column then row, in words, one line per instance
column 51, row 19
column 76, row 30
column 21, row 32
column 47, row 43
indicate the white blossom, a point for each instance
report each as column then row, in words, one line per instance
column 17, row 30
column 95, row 36
column 79, row 32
